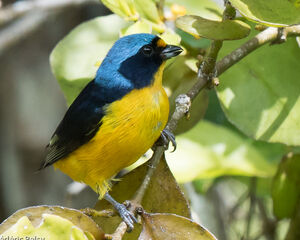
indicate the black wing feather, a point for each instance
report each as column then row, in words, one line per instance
column 79, row 125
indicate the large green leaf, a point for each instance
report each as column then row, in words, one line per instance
column 260, row 94
column 74, row 59
column 278, row 13
column 215, row 30
column 209, row 150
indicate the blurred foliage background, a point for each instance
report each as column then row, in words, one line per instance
column 238, row 166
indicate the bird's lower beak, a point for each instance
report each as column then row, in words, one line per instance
column 170, row 51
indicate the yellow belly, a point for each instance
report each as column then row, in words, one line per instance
column 129, row 128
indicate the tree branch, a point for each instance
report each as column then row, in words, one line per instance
column 35, row 12
column 21, row 29
column 268, row 35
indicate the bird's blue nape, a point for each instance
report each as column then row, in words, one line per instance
column 125, row 67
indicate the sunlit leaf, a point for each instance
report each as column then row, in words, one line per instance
column 260, row 93
column 216, row 30
column 285, row 187
column 172, row 227
column 135, row 10
column 50, row 222
column 277, row 13
column 170, row 37
column 124, row 8
column 163, row 195
column 75, row 59
column 209, row 150
column 148, row 10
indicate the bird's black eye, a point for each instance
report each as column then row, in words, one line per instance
column 147, row 50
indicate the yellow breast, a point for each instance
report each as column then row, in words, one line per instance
column 129, row 128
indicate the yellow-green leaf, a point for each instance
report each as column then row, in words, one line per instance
column 216, row 30
column 148, row 10
column 209, row 150
column 278, row 13
column 50, row 222
column 124, row 8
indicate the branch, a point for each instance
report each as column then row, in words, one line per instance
column 21, row 8
column 269, row 35
column 119, row 233
column 36, row 13
column 21, row 29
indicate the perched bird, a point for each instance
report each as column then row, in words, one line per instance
column 116, row 118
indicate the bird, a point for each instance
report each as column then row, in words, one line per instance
column 116, row 118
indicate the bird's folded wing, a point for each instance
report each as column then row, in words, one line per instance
column 79, row 125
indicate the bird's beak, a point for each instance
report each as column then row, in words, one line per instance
column 170, row 51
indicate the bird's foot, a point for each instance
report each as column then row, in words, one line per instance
column 166, row 137
column 127, row 216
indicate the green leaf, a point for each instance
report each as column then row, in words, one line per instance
column 124, row 8
column 209, row 150
column 135, row 10
column 148, row 10
column 170, row 37
column 172, row 227
column 215, row 30
column 260, row 93
column 285, row 187
column 161, row 196
column 206, row 8
column 74, row 59
column 50, row 222
column 278, row 13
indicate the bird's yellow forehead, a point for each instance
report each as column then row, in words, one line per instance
column 161, row 43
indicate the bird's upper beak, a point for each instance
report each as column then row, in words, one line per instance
column 170, row 51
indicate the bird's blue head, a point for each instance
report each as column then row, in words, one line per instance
column 133, row 60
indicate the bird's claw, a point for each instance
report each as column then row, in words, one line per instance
column 167, row 137
column 127, row 216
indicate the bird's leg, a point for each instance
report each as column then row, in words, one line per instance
column 124, row 213
column 166, row 137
